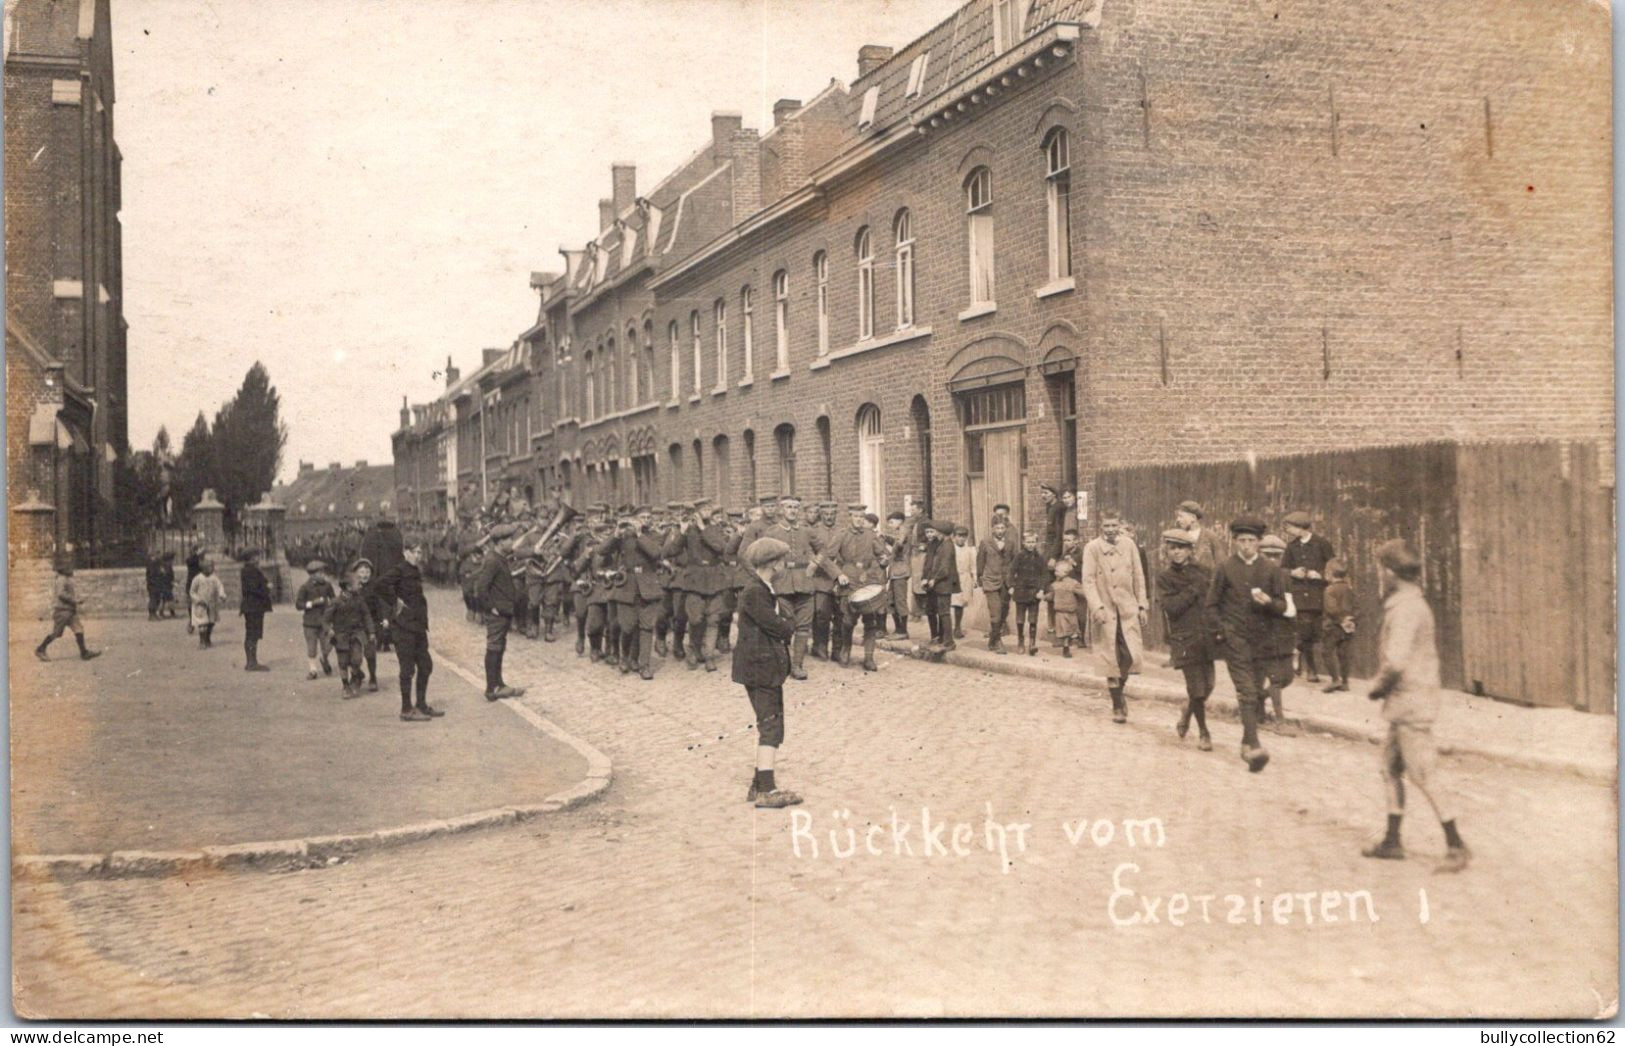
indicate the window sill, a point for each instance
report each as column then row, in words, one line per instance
column 694, row 398
column 1064, row 285
column 819, row 364
column 673, row 404
column 746, row 383
column 871, row 344
column 566, row 422
column 986, row 308
column 779, row 375
column 719, row 391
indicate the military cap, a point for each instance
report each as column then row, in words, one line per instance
column 677, row 506
column 1247, row 525
column 785, row 499
column 763, row 551
column 857, row 506
column 827, row 504
column 701, row 502
column 736, row 515
column 1398, row 555
column 768, row 499
column 1192, row 507
column 641, row 510
column 1272, row 543
column 598, row 506
column 1300, row 519
column 1177, row 537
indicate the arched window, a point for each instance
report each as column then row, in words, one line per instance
column 721, row 469
column 612, row 374
column 781, row 320
column 1058, row 194
column 871, row 471
column 821, row 273
column 592, row 380
column 785, row 437
column 904, row 229
column 676, row 362
column 699, row 470
column 979, row 235
column 720, row 314
column 826, row 460
column 634, row 371
column 749, row 335
column 648, row 361
column 674, row 470
column 750, row 468
column 864, row 248
column 694, row 331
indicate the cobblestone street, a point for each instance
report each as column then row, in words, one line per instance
column 671, row 896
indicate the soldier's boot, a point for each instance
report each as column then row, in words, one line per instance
column 823, row 641
column 547, row 635
column 798, row 653
column 646, row 645
column 724, row 629
column 846, row 646
column 869, row 652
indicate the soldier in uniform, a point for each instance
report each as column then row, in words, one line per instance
column 598, row 564
column 824, row 531
column 640, row 554
column 705, row 542
column 732, row 582
column 794, row 588
column 674, row 552
column 556, row 581
column 622, row 618
column 1182, row 591
column 1247, row 592
column 858, row 557
column 495, row 593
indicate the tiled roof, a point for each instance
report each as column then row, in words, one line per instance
column 341, row 493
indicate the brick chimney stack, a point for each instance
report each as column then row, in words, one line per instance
column 624, row 181
column 872, row 57
column 747, row 174
column 785, row 108
column 406, row 414
column 452, row 373
column 723, row 127
column 606, row 215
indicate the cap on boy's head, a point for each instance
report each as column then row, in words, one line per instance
column 1002, row 508
column 874, row 520
column 1398, row 555
column 765, row 551
column 1110, row 515
column 1336, row 569
column 1192, row 507
column 1299, row 519
column 1247, row 525
column 961, row 532
column 314, row 566
column 895, row 515
column 1272, row 543
column 1177, row 538
column 1050, row 487
column 1070, row 531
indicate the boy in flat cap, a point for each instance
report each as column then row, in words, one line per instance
column 65, row 613
column 1338, row 626
column 1182, row 592
column 312, row 601
column 1207, row 550
column 1029, row 584
column 1408, row 687
column 1307, row 554
column 940, row 579
column 761, row 661
column 350, row 621
column 1247, row 594
column 1282, row 642
column 1114, row 584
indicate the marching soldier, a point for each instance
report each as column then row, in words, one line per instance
column 794, row 588
column 598, row 564
column 621, row 621
column 858, row 558
column 823, row 531
column 495, row 593
column 675, row 553
column 640, row 553
column 732, row 582
column 706, row 544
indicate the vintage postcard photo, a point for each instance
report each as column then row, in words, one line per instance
column 758, row 509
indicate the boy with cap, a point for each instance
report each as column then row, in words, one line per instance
column 400, row 590
column 1282, row 641
column 1408, row 687
column 761, row 661
column 1182, row 591
column 1114, row 585
column 1337, row 628
column 312, row 601
column 1207, row 551
column 65, row 613
column 350, row 622
column 897, row 572
column 995, row 562
column 965, row 567
column 1307, row 554
column 1029, row 582
column 1246, row 595
column 254, row 605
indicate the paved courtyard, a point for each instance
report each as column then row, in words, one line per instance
column 672, row 897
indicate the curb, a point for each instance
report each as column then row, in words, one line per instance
column 1341, row 728
column 322, row 850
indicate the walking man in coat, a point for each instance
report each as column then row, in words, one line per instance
column 1114, row 586
column 761, row 661
column 1247, row 595
column 1307, row 554
column 1182, row 591
column 496, row 594
column 256, row 603
column 1408, row 687
column 995, row 560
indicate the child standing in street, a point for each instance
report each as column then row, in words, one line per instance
column 351, row 625
column 65, row 614
column 761, row 662
column 1338, row 625
column 1029, row 579
column 207, row 593
column 965, row 565
column 312, row 600
column 1067, row 595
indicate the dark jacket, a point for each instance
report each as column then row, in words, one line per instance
column 312, row 598
column 1307, row 593
column 941, row 568
column 401, row 590
column 1029, row 575
column 705, row 549
column 494, row 590
column 1054, row 528
column 1339, row 605
column 348, row 615
column 256, row 591
column 1182, row 594
column 383, row 546
column 640, row 558
column 1244, row 626
column 994, row 565
column 761, row 652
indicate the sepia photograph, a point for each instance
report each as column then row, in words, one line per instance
column 871, row 510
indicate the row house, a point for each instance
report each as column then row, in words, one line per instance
column 1052, row 237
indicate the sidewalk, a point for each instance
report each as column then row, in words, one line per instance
column 161, row 746
column 1559, row 739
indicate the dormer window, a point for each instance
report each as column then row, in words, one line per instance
column 1009, row 19
column 866, row 116
column 916, row 74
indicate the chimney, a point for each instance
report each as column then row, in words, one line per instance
column 406, row 414
column 334, row 466
column 872, row 57
column 723, row 126
column 747, row 174
column 606, row 215
column 306, row 466
column 490, row 356
column 624, row 180
column 452, row 373
column 361, row 464
column 785, row 108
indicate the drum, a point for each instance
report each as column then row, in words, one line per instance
column 870, row 599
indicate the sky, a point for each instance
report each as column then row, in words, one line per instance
column 351, row 191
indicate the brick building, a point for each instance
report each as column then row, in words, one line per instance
column 319, row 500
column 1053, row 237
column 66, row 407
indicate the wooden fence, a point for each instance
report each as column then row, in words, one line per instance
column 1517, row 542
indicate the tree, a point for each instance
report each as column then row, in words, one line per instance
column 194, row 469
column 249, row 436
